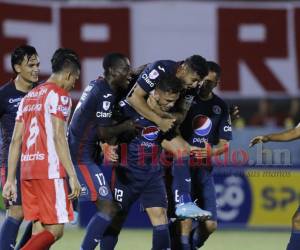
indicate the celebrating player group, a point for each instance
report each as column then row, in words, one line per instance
column 154, row 128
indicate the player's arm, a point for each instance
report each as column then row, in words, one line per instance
column 110, row 133
column 9, row 189
column 288, row 135
column 62, row 149
column 137, row 99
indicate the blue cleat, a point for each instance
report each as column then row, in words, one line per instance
column 192, row 211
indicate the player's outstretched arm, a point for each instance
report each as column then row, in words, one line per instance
column 9, row 189
column 137, row 100
column 62, row 149
column 288, row 135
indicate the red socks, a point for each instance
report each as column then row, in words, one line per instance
column 40, row 241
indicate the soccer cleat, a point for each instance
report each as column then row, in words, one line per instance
column 191, row 210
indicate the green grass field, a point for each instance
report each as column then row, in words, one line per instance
column 221, row 240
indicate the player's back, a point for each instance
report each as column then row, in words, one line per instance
column 39, row 158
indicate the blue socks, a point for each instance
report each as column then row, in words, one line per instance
column 9, row 232
column 95, row 231
column 182, row 178
column 185, row 242
column 294, row 243
column 161, row 237
column 109, row 242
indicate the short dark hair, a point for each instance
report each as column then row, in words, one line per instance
column 198, row 64
column 170, row 84
column 214, row 67
column 65, row 58
column 111, row 60
column 19, row 54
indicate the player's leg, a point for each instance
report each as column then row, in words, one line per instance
column 40, row 204
column 110, row 237
column 93, row 180
column 182, row 178
column 186, row 228
column 14, row 215
column 294, row 242
column 204, row 191
column 154, row 201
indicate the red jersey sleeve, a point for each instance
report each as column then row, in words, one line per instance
column 60, row 104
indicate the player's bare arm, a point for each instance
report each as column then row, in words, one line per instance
column 62, row 149
column 9, row 189
column 288, row 135
column 138, row 101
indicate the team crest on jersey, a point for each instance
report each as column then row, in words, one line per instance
column 84, row 190
column 64, row 100
column 153, row 74
column 202, row 125
column 103, row 191
column 217, row 110
column 150, row 133
column 106, row 105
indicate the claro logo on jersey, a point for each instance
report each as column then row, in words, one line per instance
column 33, row 157
column 150, row 133
column 104, row 114
column 201, row 125
column 147, row 80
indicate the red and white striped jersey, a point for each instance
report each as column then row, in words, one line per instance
column 39, row 159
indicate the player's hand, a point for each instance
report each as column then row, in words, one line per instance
column 234, row 111
column 166, row 124
column 153, row 104
column 258, row 139
column 10, row 191
column 201, row 152
column 75, row 187
column 110, row 153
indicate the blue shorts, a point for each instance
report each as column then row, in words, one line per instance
column 3, row 177
column 203, row 190
column 130, row 186
column 94, row 184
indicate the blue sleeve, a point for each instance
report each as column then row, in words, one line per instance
column 225, row 129
column 151, row 75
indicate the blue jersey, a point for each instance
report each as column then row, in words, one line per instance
column 207, row 121
column 10, row 99
column 154, row 72
column 94, row 109
column 144, row 150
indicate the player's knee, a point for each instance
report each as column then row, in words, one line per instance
column 57, row 234
column 211, row 226
column 110, row 208
column 296, row 221
column 16, row 212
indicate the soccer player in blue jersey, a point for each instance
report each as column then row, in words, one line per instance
column 208, row 126
column 95, row 120
column 139, row 175
column 191, row 72
column 25, row 64
column 288, row 135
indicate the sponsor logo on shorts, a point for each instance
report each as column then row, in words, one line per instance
column 103, row 191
